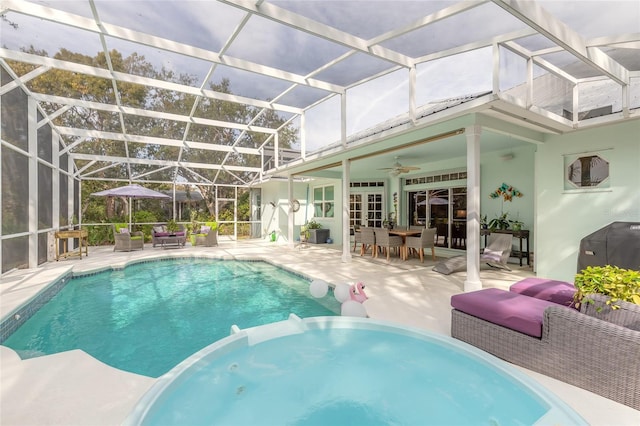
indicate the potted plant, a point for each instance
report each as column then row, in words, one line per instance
column 316, row 234
column 172, row 226
column 516, row 225
column 618, row 284
column 499, row 222
column 483, row 222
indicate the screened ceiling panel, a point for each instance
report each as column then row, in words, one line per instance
column 457, row 31
column 302, row 96
column 249, row 84
column 355, row 68
column 362, row 19
column 171, row 82
column 288, row 49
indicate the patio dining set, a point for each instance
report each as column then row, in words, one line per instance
column 404, row 241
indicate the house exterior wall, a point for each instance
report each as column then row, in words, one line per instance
column 277, row 218
column 565, row 217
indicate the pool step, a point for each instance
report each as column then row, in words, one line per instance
column 255, row 335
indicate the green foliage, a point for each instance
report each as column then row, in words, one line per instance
column 312, row 224
column 617, row 283
column 172, row 226
column 144, row 216
column 499, row 222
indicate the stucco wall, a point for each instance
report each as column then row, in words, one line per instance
column 276, row 218
column 565, row 217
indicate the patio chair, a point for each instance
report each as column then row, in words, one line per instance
column 386, row 241
column 367, row 240
column 208, row 235
column 425, row 240
column 126, row 240
column 498, row 251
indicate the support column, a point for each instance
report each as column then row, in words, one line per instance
column 32, row 136
column 346, row 207
column 473, row 209
column 291, row 214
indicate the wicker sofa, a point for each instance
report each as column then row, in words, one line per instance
column 595, row 348
column 160, row 231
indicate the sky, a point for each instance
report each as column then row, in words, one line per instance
column 209, row 24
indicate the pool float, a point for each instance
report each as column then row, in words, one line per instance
column 357, row 293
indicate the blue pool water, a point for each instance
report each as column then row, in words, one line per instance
column 149, row 317
column 346, row 371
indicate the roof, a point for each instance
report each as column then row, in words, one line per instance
column 223, row 84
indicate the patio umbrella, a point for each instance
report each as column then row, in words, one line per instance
column 131, row 192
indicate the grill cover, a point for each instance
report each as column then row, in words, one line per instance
column 616, row 244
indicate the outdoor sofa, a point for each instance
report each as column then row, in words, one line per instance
column 536, row 326
column 160, row 231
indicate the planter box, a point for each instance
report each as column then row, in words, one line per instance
column 318, row 236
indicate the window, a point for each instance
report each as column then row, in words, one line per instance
column 323, row 201
column 584, row 171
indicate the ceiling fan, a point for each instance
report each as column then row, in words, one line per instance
column 398, row 168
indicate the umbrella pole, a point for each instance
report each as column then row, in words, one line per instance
column 130, row 200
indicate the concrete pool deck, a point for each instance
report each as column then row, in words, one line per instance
column 72, row 388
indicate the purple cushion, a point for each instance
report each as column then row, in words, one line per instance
column 505, row 308
column 179, row 234
column 560, row 292
column 161, row 234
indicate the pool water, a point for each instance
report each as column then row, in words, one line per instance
column 149, row 317
column 346, row 371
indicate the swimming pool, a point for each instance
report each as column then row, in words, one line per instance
column 148, row 317
column 340, row 370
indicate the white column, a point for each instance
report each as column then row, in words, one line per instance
column 346, row 207
column 291, row 214
column 32, row 132
column 473, row 209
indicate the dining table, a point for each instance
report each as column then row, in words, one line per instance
column 404, row 233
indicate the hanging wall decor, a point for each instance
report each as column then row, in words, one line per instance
column 507, row 192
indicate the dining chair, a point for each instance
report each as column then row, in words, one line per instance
column 367, row 240
column 386, row 241
column 425, row 240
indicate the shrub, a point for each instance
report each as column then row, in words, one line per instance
column 617, row 283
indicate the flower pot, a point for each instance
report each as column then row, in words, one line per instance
column 318, row 236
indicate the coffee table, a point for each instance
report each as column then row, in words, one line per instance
column 172, row 240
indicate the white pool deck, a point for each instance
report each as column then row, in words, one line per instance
column 72, row 388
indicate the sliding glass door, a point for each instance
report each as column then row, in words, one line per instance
column 444, row 209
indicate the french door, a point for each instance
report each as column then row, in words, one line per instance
column 366, row 209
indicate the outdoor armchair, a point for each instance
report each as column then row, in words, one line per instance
column 126, row 240
column 206, row 236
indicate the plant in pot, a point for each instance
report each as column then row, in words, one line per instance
column 172, row 226
column 483, row 222
column 316, row 235
column 618, row 284
column 516, row 225
column 499, row 222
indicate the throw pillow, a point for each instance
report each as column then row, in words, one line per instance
column 205, row 229
column 158, row 229
column 491, row 255
column 124, row 231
